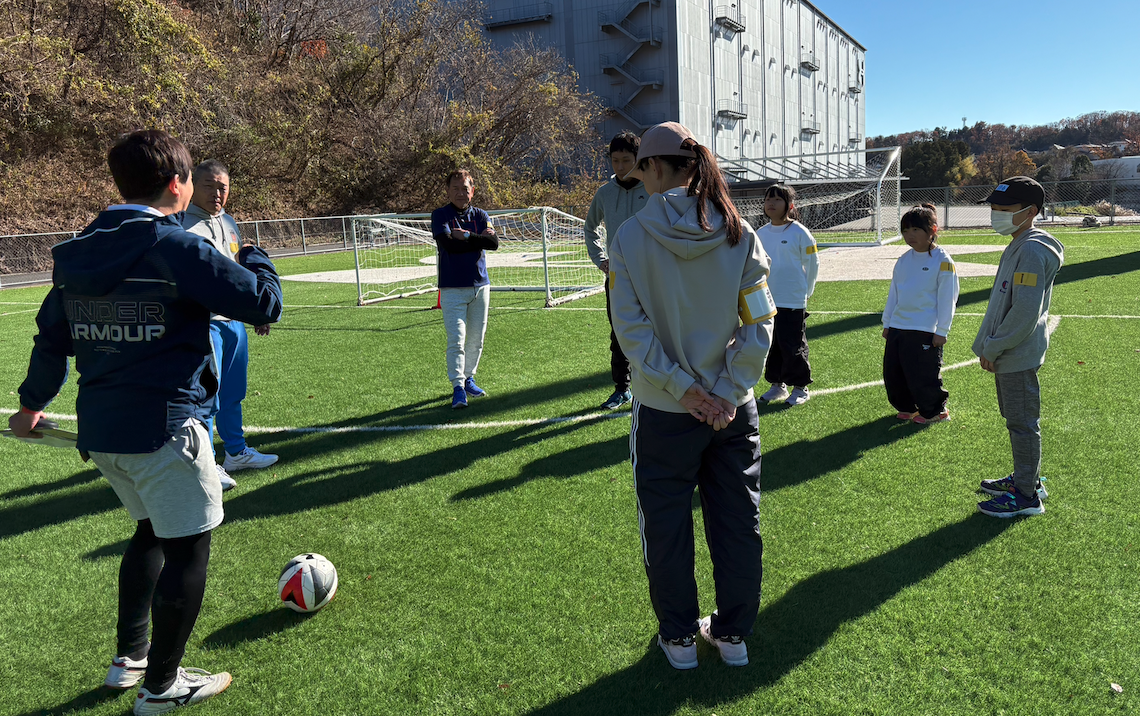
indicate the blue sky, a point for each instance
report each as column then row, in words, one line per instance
column 930, row 63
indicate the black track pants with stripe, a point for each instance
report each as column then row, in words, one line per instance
column 673, row 453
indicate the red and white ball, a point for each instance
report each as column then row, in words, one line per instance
column 307, row 583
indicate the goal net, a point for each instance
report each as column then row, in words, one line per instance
column 846, row 196
column 540, row 249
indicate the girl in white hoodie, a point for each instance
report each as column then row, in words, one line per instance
column 916, row 321
column 795, row 267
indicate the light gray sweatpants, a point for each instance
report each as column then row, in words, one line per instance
column 1019, row 400
column 465, row 320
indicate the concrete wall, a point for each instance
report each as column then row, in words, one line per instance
column 705, row 63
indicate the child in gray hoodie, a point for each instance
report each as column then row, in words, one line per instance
column 1013, row 338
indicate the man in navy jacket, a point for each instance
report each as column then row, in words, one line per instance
column 131, row 299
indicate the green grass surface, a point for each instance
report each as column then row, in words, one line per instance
column 496, row 570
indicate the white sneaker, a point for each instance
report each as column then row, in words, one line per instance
column 775, row 394
column 248, row 458
column 227, row 481
column 681, row 653
column 125, row 672
column 732, row 648
column 798, row 396
column 191, row 686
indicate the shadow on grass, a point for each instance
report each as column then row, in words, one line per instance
column 80, row 478
column 84, row 701
column 569, row 463
column 256, row 627
column 348, row 482
column 788, row 631
column 808, row 459
column 57, row 510
column 116, row 549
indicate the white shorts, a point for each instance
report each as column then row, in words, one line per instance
column 176, row 487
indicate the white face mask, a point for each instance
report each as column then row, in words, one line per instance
column 1003, row 222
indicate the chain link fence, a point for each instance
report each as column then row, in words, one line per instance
column 25, row 259
column 1090, row 203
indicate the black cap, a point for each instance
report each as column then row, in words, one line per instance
column 1017, row 190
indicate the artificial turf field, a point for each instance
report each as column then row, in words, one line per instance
column 489, row 559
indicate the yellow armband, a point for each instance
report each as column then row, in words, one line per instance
column 948, row 266
column 613, row 277
column 756, row 304
column 1025, row 279
column 812, row 249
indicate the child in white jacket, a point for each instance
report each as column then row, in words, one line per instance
column 795, row 267
column 916, row 321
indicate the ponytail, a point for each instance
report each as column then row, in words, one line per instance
column 708, row 184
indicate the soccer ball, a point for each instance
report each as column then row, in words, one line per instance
column 307, row 583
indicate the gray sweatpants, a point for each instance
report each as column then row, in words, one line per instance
column 673, row 453
column 1019, row 400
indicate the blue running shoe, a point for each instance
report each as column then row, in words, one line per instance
column 618, row 399
column 458, row 398
column 473, row 390
column 1012, row 504
column 1004, row 486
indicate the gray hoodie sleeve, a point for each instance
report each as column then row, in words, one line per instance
column 1033, row 276
column 635, row 333
column 748, row 350
column 595, row 242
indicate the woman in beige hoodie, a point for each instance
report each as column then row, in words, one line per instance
column 691, row 309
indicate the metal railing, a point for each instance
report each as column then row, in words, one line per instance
column 516, row 15
column 810, row 126
column 730, row 16
column 640, row 76
column 25, row 259
column 808, row 61
column 731, row 108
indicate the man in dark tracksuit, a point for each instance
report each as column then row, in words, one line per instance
column 131, row 299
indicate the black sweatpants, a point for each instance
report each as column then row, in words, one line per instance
column 673, row 453
column 166, row 577
column 912, row 373
column 619, row 365
column 788, row 356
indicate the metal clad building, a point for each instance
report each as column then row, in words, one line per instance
column 752, row 78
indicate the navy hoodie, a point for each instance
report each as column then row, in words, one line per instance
column 131, row 300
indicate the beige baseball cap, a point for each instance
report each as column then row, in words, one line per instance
column 665, row 140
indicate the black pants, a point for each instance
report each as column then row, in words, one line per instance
column 673, row 453
column 788, row 356
column 619, row 365
column 912, row 373
column 166, row 577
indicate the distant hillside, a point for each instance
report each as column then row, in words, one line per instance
column 1092, row 128
column 317, row 106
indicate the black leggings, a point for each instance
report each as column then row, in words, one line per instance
column 166, row 577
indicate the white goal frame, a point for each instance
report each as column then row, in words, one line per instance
column 558, row 238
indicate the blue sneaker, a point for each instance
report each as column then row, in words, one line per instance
column 1005, row 485
column 458, row 398
column 618, row 399
column 1012, row 504
column 473, row 390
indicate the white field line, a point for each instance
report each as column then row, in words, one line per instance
column 1051, row 326
column 19, row 303
column 13, row 313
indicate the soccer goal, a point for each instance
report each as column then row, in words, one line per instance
column 540, row 249
column 849, row 197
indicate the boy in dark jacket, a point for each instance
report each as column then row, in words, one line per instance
column 131, row 299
